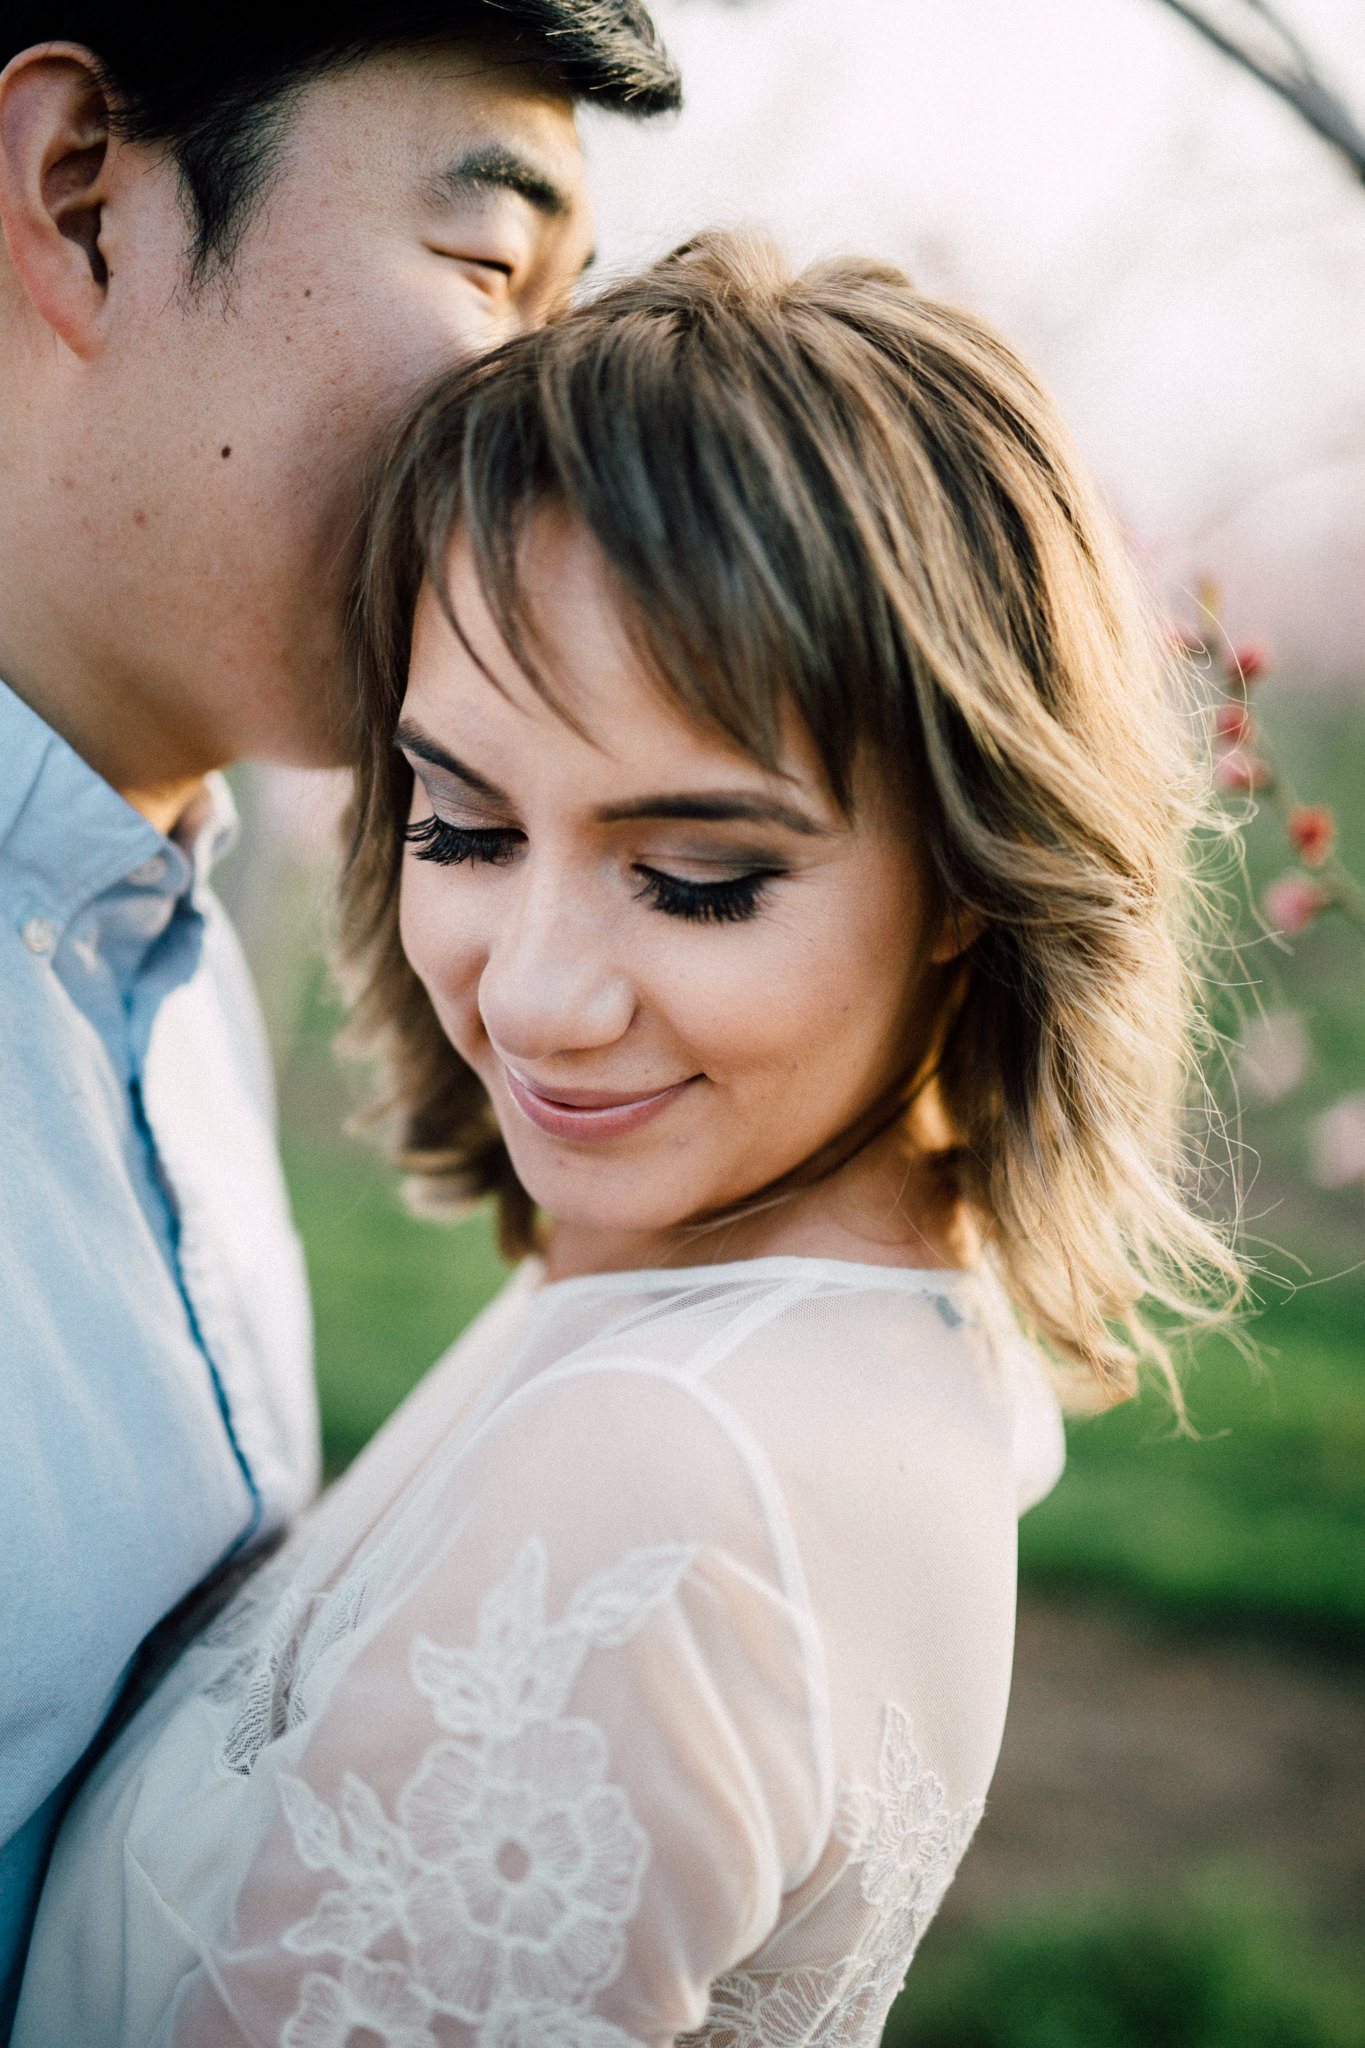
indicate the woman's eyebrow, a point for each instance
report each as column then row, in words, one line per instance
column 722, row 807
column 410, row 739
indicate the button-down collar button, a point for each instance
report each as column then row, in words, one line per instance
column 147, row 871
column 38, row 935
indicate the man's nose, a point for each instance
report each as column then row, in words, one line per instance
column 552, row 983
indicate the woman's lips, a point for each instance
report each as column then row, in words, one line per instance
column 588, row 1112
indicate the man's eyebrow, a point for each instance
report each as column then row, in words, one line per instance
column 723, row 808
column 497, row 168
column 413, row 740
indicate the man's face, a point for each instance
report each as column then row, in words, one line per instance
column 424, row 205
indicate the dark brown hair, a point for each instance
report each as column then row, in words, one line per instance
column 215, row 85
column 827, row 492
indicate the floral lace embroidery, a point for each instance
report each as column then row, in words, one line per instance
column 378, row 1996
column 269, row 1674
column 905, row 1844
column 512, row 1866
column 235, row 1624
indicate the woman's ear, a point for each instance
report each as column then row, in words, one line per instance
column 54, row 168
column 959, row 929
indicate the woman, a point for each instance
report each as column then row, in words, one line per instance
column 767, row 881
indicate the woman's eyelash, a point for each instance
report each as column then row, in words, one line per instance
column 725, row 902
column 433, row 839
column 728, row 902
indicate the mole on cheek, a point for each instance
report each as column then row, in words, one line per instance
column 226, row 453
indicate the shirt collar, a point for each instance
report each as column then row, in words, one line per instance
column 207, row 828
column 66, row 835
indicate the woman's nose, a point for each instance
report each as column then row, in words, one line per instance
column 551, row 983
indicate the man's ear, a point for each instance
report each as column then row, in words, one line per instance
column 54, row 161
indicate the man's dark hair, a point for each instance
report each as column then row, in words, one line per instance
column 215, row 84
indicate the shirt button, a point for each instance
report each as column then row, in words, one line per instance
column 148, row 870
column 38, row 935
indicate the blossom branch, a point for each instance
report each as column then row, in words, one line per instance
column 1244, row 767
column 1282, row 64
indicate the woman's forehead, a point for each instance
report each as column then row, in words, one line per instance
column 594, row 693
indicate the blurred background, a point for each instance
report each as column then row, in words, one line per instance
column 1174, row 1851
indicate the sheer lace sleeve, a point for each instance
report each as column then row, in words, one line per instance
column 574, row 1766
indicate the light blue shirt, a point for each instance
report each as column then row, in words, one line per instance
column 157, row 1409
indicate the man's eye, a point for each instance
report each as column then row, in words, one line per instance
column 490, row 268
column 433, row 839
column 493, row 274
column 728, row 902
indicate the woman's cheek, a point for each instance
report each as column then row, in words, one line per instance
column 416, row 925
column 438, row 942
column 750, row 1016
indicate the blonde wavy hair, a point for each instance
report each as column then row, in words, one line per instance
column 825, row 491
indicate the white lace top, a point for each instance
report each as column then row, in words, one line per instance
column 640, row 1683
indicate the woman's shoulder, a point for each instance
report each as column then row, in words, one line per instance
column 798, row 1383
column 905, row 1335
column 803, row 1346
column 698, row 1318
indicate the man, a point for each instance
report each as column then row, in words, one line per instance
column 235, row 241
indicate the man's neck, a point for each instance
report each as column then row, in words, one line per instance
column 132, row 752
column 165, row 804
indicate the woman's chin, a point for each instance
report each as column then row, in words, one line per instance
column 633, row 1212
column 625, row 1227
column 612, row 1224
column 591, row 1193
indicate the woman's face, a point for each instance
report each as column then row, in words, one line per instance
column 678, row 975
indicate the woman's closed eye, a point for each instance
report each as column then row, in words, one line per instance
column 436, row 839
column 727, row 900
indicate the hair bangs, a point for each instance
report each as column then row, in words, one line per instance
column 737, row 573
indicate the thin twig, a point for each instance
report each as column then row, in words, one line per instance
column 1296, row 80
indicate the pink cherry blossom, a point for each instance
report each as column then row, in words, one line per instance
column 1313, row 830
column 1249, row 661
column 1240, row 771
column 1337, row 1139
column 1272, row 1056
column 1233, row 723
column 1292, row 903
